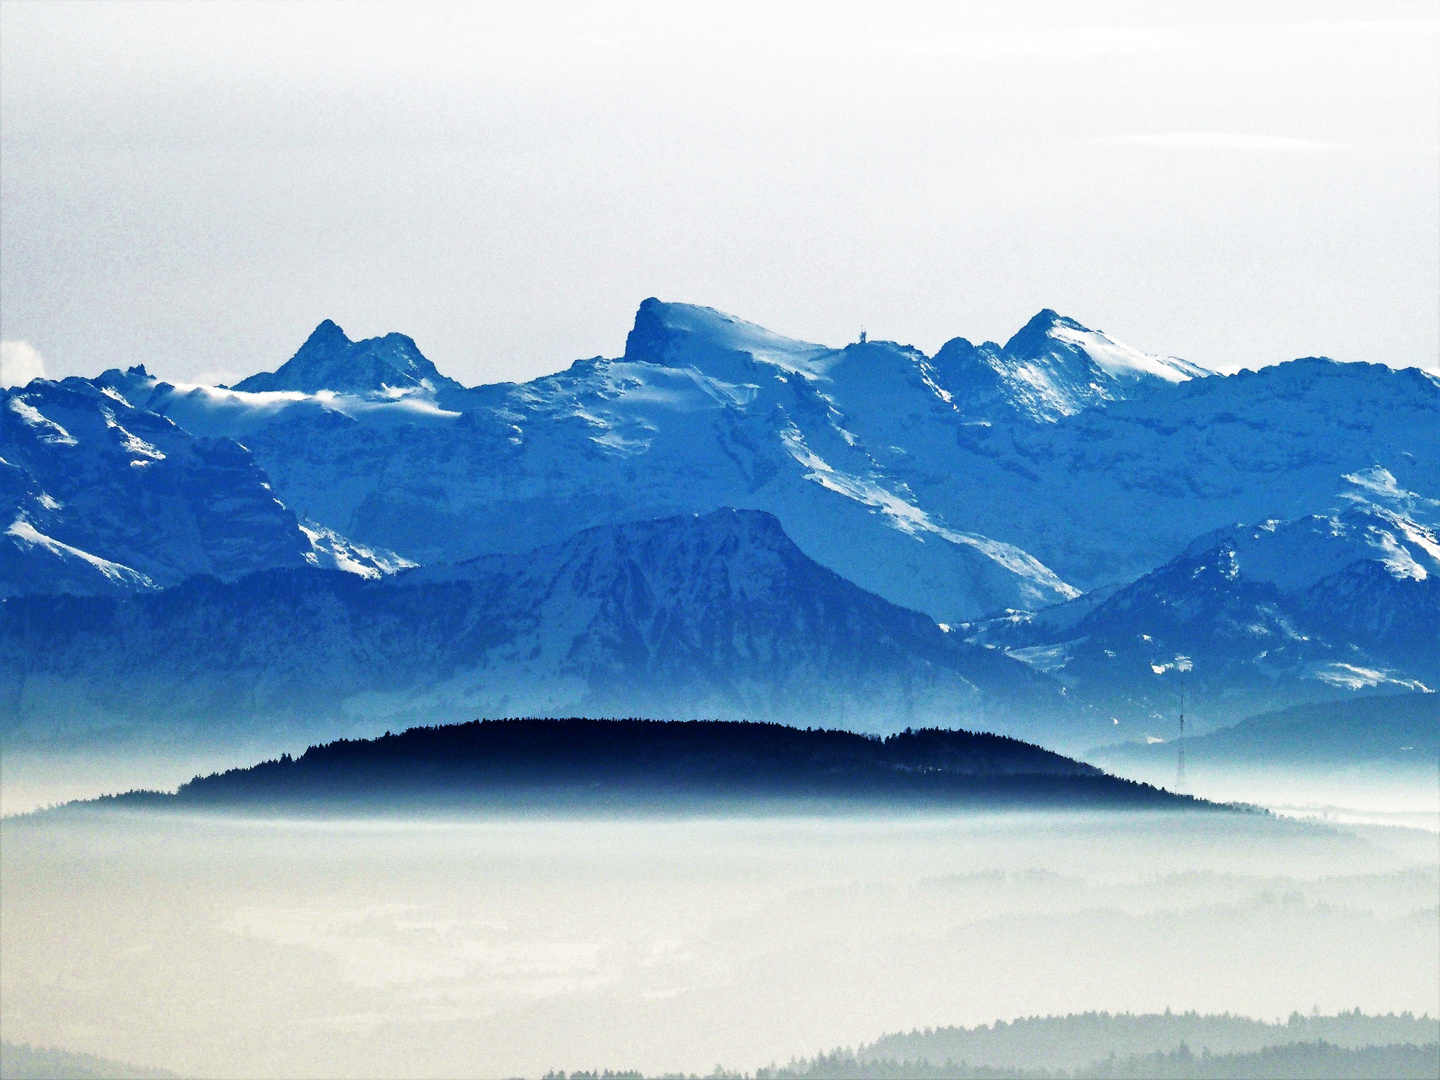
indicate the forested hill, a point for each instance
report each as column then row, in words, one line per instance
column 581, row 762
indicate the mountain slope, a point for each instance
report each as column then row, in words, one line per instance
column 1398, row 731
column 1110, row 493
column 718, row 615
column 1261, row 616
column 100, row 496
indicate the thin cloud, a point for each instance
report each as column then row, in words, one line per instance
column 1081, row 41
column 1220, row 140
column 1358, row 26
column 19, row 363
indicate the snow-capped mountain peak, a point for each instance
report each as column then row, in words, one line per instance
column 329, row 360
column 1053, row 367
column 1050, row 334
column 688, row 334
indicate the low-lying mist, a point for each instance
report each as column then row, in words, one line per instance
column 1360, row 794
column 492, row 946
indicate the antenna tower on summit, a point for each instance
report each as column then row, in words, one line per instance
column 1180, row 763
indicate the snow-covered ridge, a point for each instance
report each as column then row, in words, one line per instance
column 667, row 333
column 1122, row 361
column 981, row 478
column 1295, row 555
column 1052, row 368
column 1346, row 600
column 61, row 566
column 105, row 497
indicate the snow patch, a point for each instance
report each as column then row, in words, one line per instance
column 47, row 431
column 1353, row 677
column 1046, row 658
column 330, row 550
column 116, row 573
column 910, row 519
column 1122, row 361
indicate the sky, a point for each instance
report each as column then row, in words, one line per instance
column 196, row 186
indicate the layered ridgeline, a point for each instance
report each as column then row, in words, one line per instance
column 720, row 615
column 597, row 764
column 1154, row 1045
column 981, row 479
column 852, row 448
column 1398, row 734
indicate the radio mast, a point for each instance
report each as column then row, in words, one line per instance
column 1180, row 764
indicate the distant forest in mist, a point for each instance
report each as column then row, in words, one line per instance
column 1292, row 1061
column 1104, row 1046
column 21, row 1061
column 1092, row 1046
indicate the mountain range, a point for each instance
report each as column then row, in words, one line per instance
column 1044, row 529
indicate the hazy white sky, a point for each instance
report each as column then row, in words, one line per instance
column 195, row 186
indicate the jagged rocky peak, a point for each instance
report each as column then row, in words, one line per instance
column 329, row 360
column 1041, row 331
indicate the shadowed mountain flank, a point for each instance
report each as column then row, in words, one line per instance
column 719, row 615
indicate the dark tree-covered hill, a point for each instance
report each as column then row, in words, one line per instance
column 579, row 762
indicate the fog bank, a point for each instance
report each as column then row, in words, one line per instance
column 492, row 947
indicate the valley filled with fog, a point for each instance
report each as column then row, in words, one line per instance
column 492, row 946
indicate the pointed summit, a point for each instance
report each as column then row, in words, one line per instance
column 327, row 335
column 329, row 360
column 1052, row 367
column 1034, row 335
column 1054, row 338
